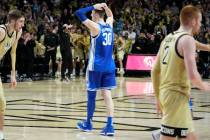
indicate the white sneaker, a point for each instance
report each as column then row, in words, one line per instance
column 156, row 135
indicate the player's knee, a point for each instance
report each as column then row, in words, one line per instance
column 106, row 94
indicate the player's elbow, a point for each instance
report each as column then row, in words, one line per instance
column 77, row 13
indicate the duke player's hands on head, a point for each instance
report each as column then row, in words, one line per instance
column 104, row 5
column 98, row 6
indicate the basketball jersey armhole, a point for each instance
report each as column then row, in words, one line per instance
column 5, row 33
column 176, row 45
column 99, row 32
column 109, row 26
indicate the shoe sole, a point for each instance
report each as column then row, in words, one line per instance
column 83, row 129
column 107, row 134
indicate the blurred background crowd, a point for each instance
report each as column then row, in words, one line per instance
column 55, row 44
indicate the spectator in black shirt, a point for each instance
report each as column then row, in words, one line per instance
column 29, row 55
column 51, row 41
column 66, row 53
column 139, row 46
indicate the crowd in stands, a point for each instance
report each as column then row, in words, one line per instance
column 55, row 43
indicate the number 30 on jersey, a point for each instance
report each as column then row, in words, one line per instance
column 107, row 39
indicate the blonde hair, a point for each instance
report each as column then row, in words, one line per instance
column 14, row 15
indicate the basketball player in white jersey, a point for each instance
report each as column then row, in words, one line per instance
column 9, row 36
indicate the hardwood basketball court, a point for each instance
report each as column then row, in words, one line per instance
column 49, row 110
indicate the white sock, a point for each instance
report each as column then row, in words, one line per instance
column 1, row 135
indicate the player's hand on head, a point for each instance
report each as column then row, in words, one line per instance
column 104, row 5
column 98, row 6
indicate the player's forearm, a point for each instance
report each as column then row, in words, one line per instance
column 201, row 46
column 108, row 12
column 194, row 75
column 13, row 62
column 81, row 13
column 197, row 81
column 192, row 72
column 155, row 75
column 13, row 58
